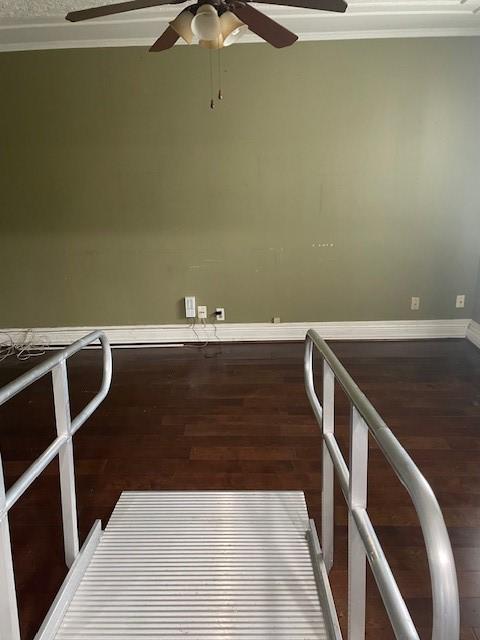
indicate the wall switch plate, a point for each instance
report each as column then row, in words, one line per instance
column 220, row 313
column 460, row 303
column 201, row 312
column 190, row 307
column 415, row 304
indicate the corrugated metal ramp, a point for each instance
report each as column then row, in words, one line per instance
column 200, row 565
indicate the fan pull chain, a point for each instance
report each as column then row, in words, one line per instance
column 219, row 60
column 212, row 101
column 219, row 75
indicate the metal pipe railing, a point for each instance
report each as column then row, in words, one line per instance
column 19, row 487
column 13, row 388
column 446, row 620
column 62, row 447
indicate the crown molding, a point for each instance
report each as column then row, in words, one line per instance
column 365, row 19
column 302, row 37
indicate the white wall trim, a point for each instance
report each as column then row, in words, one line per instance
column 39, row 25
column 380, row 34
column 254, row 332
column 473, row 333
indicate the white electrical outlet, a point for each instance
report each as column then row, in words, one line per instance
column 190, row 307
column 201, row 312
column 460, row 303
column 415, row 304
column 220, row 313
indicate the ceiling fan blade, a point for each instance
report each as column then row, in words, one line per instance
column 263, row 26
column 339, row 6
column 166, row 40
column 111, row 9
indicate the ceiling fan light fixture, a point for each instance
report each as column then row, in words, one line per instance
column 214, row 23
column 206, row 23
column 232, row 28
column 235, row 36
column 217, row 43
column 183, row 25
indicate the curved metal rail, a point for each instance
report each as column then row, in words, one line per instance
column 61, row 446
column 363, row 541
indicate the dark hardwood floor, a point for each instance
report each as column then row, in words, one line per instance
column 236, row 417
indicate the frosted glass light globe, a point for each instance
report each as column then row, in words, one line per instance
column 232, row 28
column 206, row 24
column 235, row 36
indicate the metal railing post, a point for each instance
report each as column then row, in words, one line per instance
column 328, row 507
column 363, row 541
column 356, row 550
column 66, row 462
column 61, row 446
column 9, row 627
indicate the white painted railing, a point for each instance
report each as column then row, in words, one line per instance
column 363, row 543
column 61, row 446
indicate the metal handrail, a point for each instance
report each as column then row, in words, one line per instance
column 446, row 619
column 28, row 378
column 61, row 446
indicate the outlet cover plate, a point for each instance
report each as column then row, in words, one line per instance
column 415, row 304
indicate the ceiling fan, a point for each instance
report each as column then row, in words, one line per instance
column 216, row 23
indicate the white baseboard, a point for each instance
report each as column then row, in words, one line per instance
column 254, row 332
column 473, row 333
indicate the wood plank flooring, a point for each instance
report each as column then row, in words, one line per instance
column 236, row 417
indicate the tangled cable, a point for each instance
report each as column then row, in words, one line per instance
column 24, row 349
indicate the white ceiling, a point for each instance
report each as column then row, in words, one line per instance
column 40, row 24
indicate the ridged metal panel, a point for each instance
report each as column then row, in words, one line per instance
column 200, row 565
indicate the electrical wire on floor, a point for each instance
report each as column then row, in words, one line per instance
column 201, row 345
column 219, row 350
column 24, row 349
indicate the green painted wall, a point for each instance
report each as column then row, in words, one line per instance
column 120, row 191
